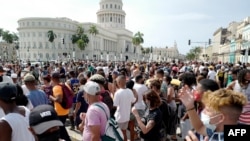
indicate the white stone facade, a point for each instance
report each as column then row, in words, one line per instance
column 113, row 42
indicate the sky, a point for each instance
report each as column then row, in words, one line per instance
column 161, row 21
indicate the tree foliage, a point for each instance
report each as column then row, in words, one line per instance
column 138, row 38
column 80, row 38
column 51, row 36
column 193, row 53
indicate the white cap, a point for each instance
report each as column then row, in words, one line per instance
column 13, row 75
column 91, row 88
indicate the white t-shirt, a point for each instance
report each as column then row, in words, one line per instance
column 7, row 79
column 25, row 90
column 211, row 75
column 140, row 89
column 123, row 100
column 19, row 126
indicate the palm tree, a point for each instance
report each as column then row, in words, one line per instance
column 51, row 35
column 80, row 38
column 138, row 38
column 93, row 31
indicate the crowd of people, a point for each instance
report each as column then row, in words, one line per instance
column 147, row 100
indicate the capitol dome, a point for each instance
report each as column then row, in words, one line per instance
column 111, row 14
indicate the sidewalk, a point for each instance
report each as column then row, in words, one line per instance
column 76, row 135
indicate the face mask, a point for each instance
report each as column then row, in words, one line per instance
column 206, row 121
column 197, row 96
column 53, row 136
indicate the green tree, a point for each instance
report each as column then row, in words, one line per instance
column 93, row 31
column 138, row 38
column 147, row 51
column 51, row 36
column 193, row 53
column 7, row 36
column 1, row 32
column 80, row 38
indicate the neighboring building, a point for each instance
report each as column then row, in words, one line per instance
column 114, row 41
column 166, row 54
column 246, row 43
column 8, row 52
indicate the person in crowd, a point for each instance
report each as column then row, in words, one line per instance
column 47, row 87
column 123, row 100
column 211, row 73
column 81, row 104
column 13, row 125
column 94, row 121
column 36, row 96
column 57, row 99
column 242, row 84
column 4, row 77
column 160, row 76
column 150, row 125
column 45, row 124
column 131, row 124
column 222, row 107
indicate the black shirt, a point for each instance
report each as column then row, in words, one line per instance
column 154, row 133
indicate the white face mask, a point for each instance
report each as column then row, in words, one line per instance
column 206, row 121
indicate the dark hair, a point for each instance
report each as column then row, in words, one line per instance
column 160, row 71
column 208, row 84
column 188, row 78
column 83, row 81
column 153, row 98
column 138, row 78
column 168, row 79
column 21, row 99
column 130, row 84
column 156, row 83
column 47, row 78
column 242, row 74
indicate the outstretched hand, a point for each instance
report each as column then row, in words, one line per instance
column 186, row 97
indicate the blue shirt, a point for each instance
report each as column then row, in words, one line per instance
column 37, row 97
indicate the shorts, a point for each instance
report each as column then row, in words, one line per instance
column 123, row 125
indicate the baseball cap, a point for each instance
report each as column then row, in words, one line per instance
column 42, row 118
column 98, row 79
column 91, row 88
column 29, row 78
column 8, row 91
column 13, row 75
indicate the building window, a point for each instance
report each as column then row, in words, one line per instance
column 110, row 19
column 107, row 6
column 111, row 6
column 33, row 23
column 115, row 7
column 34, row 44
column 119, row 7
column 39, row 23
column 46, row 45
column 102, row 6
column 40, row 45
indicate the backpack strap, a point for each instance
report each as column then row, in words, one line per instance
column 116, row 132
column 102, row 109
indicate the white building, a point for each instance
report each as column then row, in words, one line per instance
column 114, row 41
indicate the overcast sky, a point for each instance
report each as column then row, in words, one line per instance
column 161, row 21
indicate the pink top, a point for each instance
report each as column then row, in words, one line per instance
column 95, row 116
